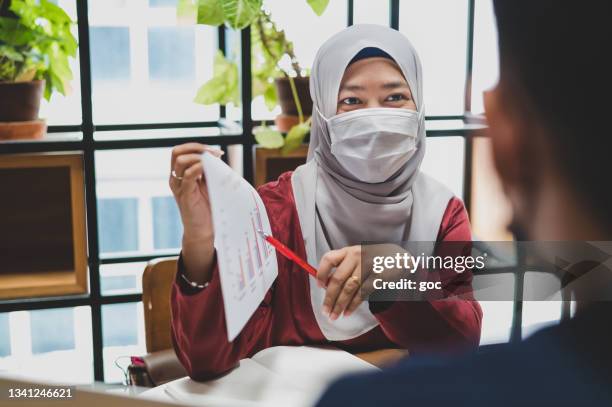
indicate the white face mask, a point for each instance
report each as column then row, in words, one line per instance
column 373, row 144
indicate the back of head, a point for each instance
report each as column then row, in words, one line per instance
column 555, row 64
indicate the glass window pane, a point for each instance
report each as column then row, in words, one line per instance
column 122, row 278
column 164, row 44
column 371, row 12
column 137, row 213
column 148, row 69
column 496, row 321
column 444, row 161
column 438, row 31
column 167, row 227
column 66, row 110
column 35, row 343
column 115, row 214
column 307, row 31
column 52, row 330
column 485, row 69
column 162, row 3
column 111, row 60
column 123, row 336
column 497, row 315
column 5, row 337
column 540, row 314
column 120, row 324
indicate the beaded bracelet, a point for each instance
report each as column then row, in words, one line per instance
column 193, row 283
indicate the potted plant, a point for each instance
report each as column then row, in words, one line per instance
column 277, row 74
column 36, row 43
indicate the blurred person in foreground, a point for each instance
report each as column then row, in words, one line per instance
column 549, row 124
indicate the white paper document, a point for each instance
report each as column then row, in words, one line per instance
column 247, row 263
column 279, row 376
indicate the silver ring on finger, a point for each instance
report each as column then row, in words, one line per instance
column 173, row 173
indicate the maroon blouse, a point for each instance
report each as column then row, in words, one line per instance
column 285, row 316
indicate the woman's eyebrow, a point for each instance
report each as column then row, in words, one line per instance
column 394, row 85
column 351, row 87
column 386, row 85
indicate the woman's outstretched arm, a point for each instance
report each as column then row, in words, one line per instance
column 439, row 326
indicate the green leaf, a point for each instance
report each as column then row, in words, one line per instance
column 223, row 87
column 7, row 71
column 11, row 53
column 27, row 10
column 259, row 86
column 32, row 68
column 241, row 13
column 268, row 138
column 12, row 32
column 42, row 34
column 54, row 13
column 318, row 6
column 270, row 97
column 57, row 83
column 59, row 70
column 48, row 85
column 295, row 137
column 211, row 92
column 187, row 10
column 210, row 12
column 264, row 67
column 26, row 75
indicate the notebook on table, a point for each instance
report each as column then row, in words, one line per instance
column 277, row 376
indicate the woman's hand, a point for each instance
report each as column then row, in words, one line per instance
column 342, row 293
column 189, row 189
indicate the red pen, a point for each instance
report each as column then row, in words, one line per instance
column 288, row 253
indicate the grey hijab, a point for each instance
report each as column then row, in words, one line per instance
column 335, row 208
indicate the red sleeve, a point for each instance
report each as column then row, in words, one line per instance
column 439, row 326
column 199, row 332
column 198, row 318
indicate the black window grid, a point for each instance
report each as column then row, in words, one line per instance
column 88, row 145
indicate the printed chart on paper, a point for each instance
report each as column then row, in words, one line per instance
column 247, row 263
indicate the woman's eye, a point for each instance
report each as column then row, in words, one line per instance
column 350, row 101
column 396, row 98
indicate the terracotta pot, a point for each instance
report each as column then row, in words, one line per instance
column 30, row 130
column 285, row 122
column 20, row 101
column 285, row 97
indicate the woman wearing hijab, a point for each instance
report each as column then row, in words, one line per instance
column 361, row 183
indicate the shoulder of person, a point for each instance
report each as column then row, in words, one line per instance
column 278, row 199
column 455, row 213
column 277, row 191
column 503, row 375
column 427, row 186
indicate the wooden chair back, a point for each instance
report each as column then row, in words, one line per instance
column 157, row 282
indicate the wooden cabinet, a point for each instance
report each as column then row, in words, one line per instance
column 270, row 163
column 43, row 243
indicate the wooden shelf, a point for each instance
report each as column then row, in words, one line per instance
column 43, row 250
column 270, row 163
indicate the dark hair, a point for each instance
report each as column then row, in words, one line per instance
column 557, row 53
column 370, row 52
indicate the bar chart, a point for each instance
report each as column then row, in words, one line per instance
column 247, row 265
